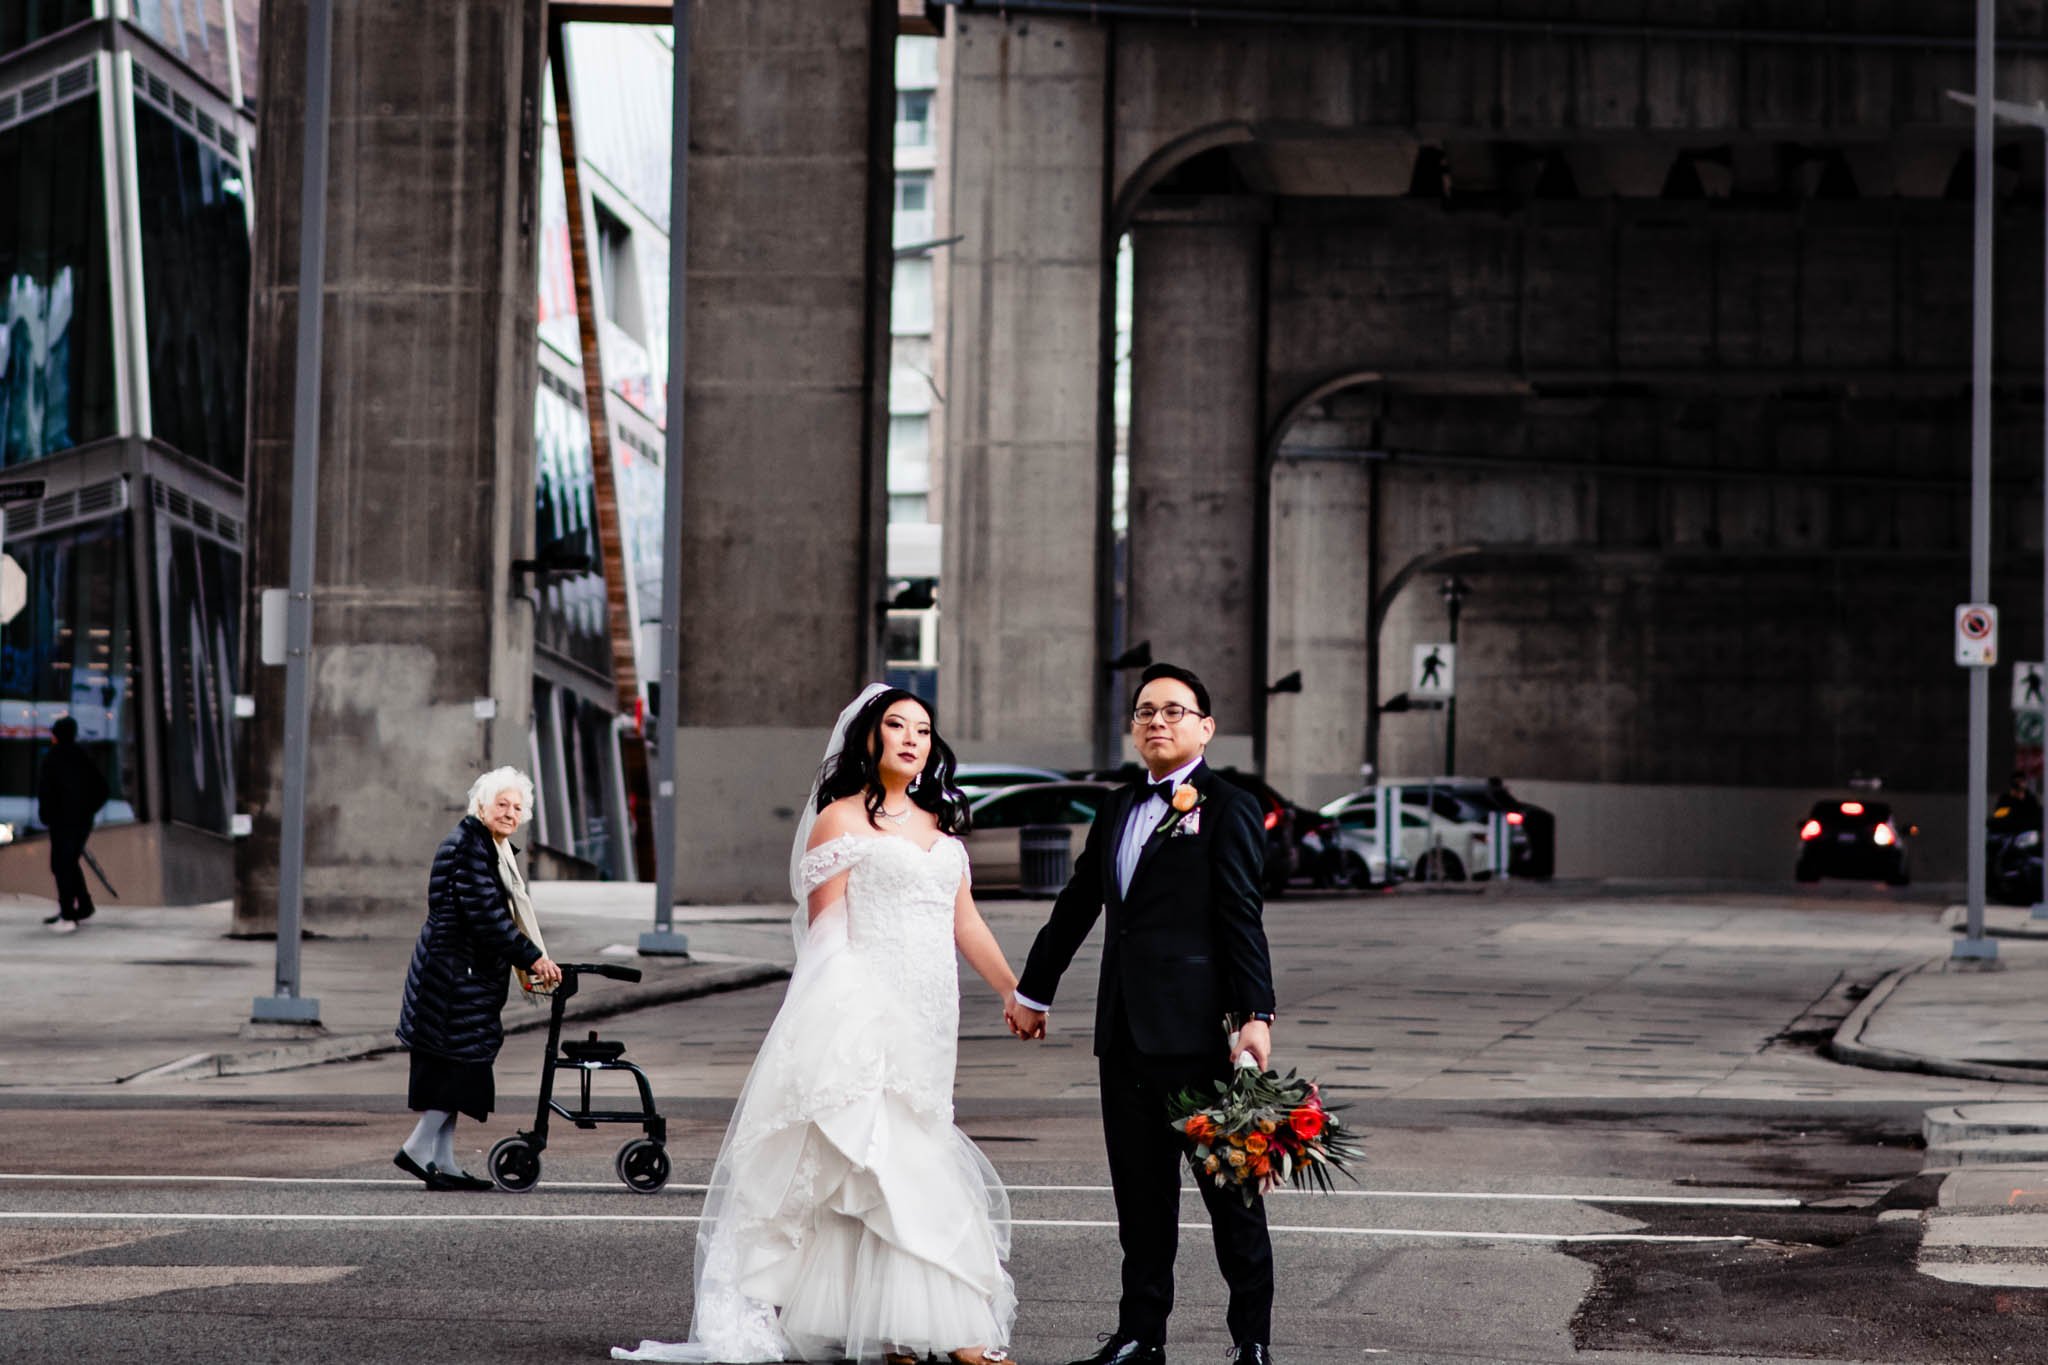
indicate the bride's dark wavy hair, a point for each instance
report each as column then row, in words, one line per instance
column 857, row 767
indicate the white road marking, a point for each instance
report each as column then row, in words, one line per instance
column 1549, row 1238
column 1683, row 1201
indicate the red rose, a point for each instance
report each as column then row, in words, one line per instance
column 1306, row 1122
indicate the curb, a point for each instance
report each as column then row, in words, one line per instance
column 344, row 1047
column 1955, row 919
column 1847, row 1045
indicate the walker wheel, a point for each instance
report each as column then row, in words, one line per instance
column 643, row 1165
column 515, row 1165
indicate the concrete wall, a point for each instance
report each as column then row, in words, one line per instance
column 784, row 418
column 1018, row 654
column 1196, row 357
column 1728, row 832
column 426, row 475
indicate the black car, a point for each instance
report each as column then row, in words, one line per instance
column 1855, row 839
column 1276, row 814
column 1532, row 830
column 2012, row 850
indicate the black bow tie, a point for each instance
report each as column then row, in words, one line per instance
column 1162, row 790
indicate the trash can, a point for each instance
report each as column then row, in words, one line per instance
column 1046, row 859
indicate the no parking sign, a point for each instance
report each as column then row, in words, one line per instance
column 1976, row 635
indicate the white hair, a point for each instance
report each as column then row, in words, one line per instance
column 485, row 790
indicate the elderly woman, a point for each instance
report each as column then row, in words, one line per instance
column 456, row 987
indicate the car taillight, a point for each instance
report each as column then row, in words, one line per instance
column 1852, row 808
column 1272, row 819
column 1810, row 830
column 1514, row 817
column 1884, row 836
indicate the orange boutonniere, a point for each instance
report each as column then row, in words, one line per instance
column 1186, row 816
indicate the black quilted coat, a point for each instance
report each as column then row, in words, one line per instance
column 462, row 966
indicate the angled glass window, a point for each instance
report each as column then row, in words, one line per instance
column 193, row 31
column 71, row 651
column 195, row 272
column 571, row 619
column 30, row 21
column 199, row 584
column 56, row 318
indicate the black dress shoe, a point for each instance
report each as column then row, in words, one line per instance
column 429, row 1174
column 463, row 1180
column 1118, row 1349
column 1253, row 1353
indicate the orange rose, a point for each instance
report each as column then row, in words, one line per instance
column 1306, row 1122
column 1184, row 798
column 1235, row 1157
column 1255, row 1143
column 1260, row 1165
column 1199, row 1127
column 1267, row 1125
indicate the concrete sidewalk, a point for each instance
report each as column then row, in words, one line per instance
column 140, row 994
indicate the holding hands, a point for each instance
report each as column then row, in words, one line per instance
column 1024, row 1022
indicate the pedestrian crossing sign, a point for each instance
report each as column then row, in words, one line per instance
column 1435, row 675
column 2028, row 683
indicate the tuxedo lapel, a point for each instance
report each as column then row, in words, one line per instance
column 1196, row 779
column 1119, row 815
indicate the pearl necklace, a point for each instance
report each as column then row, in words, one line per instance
column 896, row 817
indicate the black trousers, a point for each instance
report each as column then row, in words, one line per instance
column 74, row 896
column 1146, row 1158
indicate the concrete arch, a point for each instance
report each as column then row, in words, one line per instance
column 1162, row 161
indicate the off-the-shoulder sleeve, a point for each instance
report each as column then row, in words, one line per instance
column 828, row 860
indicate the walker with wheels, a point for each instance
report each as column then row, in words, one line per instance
column 643, row 1162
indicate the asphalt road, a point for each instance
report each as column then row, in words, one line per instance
column 1595, row 1130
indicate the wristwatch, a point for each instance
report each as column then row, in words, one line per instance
column 1261, row 1016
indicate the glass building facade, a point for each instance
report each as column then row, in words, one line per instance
column 124, row 292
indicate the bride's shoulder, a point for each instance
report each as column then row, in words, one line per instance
column 837, row 819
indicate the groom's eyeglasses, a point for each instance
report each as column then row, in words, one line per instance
column 1173, row 713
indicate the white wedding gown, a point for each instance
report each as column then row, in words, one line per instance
column 846, row 1215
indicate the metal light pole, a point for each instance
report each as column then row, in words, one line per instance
column 663, row 940
column 1974, row 946
column 1454, row 591
column 287, row 1006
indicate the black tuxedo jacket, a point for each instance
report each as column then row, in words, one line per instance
column 1186, row 945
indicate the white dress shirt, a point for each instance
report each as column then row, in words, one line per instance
column 1139, row 825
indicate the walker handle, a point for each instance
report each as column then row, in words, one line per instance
column 602, row 969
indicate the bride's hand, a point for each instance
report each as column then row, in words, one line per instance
column 1024, row 1021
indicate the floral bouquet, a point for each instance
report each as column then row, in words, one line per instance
column 1261, row 1130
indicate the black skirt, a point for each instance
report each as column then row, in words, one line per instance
column 456, row 1087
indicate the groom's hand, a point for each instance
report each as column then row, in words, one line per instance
column 1256, row 1037
column 1024, row 1021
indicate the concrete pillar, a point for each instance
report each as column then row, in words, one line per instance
column 1321, row 571
column 1197, row 297
column 1019, row 658
column 784, row 418
column 426, row 473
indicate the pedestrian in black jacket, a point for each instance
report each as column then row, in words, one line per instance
column 68, row 796
column 456, row 987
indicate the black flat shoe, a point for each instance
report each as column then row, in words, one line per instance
column 1122, row 1350
column 429, row 1174
column 463, row 1180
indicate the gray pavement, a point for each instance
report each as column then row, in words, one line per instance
column 1491, row 1002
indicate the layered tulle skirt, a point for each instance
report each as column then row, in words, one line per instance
column 847, row 1216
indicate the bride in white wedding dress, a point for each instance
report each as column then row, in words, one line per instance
column 846, row 1215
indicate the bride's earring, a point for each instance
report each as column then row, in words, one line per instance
column 915, row 781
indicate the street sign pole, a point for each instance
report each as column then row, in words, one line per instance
column 286, row 1005
column 663, row 940
column 1974, row 946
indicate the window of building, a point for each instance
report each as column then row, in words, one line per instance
column 30, row 21
column 194, row 30
column 618, row 278
column 913, row 192
column 195, row 272
column 570, row 619
column 56, row 317
column 71, row 651
column 577, row 761
column 917, row 63
column 915, row 221
column 913, row 118
column 199, row 583
column 910, row 297
column 910, row 507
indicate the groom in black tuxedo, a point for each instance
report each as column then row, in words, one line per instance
column 1183, row 947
